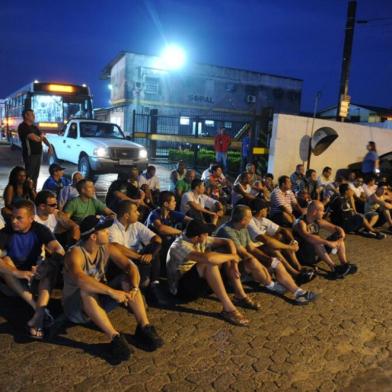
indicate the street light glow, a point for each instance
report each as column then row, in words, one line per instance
column 173, row 57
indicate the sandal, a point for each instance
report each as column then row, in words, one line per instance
column 247, row 303
column 35, row 332
column 235, row 317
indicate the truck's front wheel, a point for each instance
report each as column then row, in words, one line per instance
column 85, row 168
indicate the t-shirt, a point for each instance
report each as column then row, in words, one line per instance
column 183, row 186
column 262, row 226
column 369, row 162
column 56, row 186
column 236, row 197
column 204, row 200
column 312, row 228
column 358, row 190
column 369, row 190
column 29, row 147
column 280, row 198
column 79, row 209
column 172, row 219
column 125, row 187
column 341, row 210
column 222, row 143
column 241, row 237
column 25, row 248
column 135, row 236
column 152, row 182
column 50, row 223
column 176, row 260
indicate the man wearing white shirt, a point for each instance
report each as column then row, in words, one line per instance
column 149, row 183
column 137, row 242
column 198, row 205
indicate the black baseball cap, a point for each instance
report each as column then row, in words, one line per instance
column 196, row 227
column 93, row 223
column 55, row 167
column 258, row 205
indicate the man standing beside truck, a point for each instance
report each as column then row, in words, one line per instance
column 31, row 138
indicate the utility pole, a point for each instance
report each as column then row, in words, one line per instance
column 316, row 102
column 344, row 99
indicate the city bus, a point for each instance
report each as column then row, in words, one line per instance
column 53, row 104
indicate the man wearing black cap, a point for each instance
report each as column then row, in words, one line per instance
column 56, row 181
column 193, row 270
column 88, row 296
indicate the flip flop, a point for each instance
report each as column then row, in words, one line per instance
column 35, row 333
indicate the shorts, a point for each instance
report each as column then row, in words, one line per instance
column 353, row 223
column 73, row 304
column 192, row 286
column 307, row 254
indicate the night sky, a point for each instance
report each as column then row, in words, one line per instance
column 73, row 40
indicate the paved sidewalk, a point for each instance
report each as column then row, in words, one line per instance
column 340, row 343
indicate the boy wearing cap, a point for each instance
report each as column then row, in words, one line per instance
column 23, row 269
column 88, row 296
column 56, row 182
column 193, row 269
column 276, row 241
column 255, row 261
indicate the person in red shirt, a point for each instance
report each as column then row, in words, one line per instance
column 222, row 142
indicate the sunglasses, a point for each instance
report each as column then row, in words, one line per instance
column 52, row 205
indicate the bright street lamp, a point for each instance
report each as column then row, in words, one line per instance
column 173, row 57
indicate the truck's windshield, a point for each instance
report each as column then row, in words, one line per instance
column 108, row 131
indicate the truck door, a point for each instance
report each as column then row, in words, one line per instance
column 71, row 143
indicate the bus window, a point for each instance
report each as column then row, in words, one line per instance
column 77, row 108
column 47, row 108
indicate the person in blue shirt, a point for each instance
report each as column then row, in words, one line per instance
column 166, row 222
column 56, row 182
column 22, row 268
column 370, row 163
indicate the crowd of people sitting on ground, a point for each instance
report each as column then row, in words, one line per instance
column 203, row 235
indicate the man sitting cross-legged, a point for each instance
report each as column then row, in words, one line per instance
column 277, row 241
column 255, row 261
column 22, row 268
column 193, row 269
column 88, row 296
column 314, row 248
column 140, row 244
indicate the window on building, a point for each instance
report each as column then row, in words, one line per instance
column 228, row 124
column 184, row 120
column 151, row 85
column 209, row 123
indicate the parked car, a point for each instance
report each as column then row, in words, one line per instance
column 385, row 166
column 97, row 147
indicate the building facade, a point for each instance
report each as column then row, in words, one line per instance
column 215, row 96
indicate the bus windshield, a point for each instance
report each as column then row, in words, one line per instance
column 54, row 108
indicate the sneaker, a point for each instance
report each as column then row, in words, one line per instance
column 305, row 277
column 148, row 337
column 369, row 234
column 343, row 270
column 277, row 288
column 247, row 303
column 119, row 348
column 380, row 236
column 305, row 298
column 154, row 296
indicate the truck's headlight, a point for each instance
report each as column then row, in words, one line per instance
column 143, row 154
column 101, row 152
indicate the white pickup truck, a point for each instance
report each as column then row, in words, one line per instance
column 97, row 147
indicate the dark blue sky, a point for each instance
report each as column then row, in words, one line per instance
column 73, row 40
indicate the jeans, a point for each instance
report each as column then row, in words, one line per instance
column 32, row 166
column 221, row 158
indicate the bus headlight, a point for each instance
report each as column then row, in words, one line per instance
column 143, row 154
column 101, row 152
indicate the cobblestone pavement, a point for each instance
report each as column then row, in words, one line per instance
column 340, row 343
